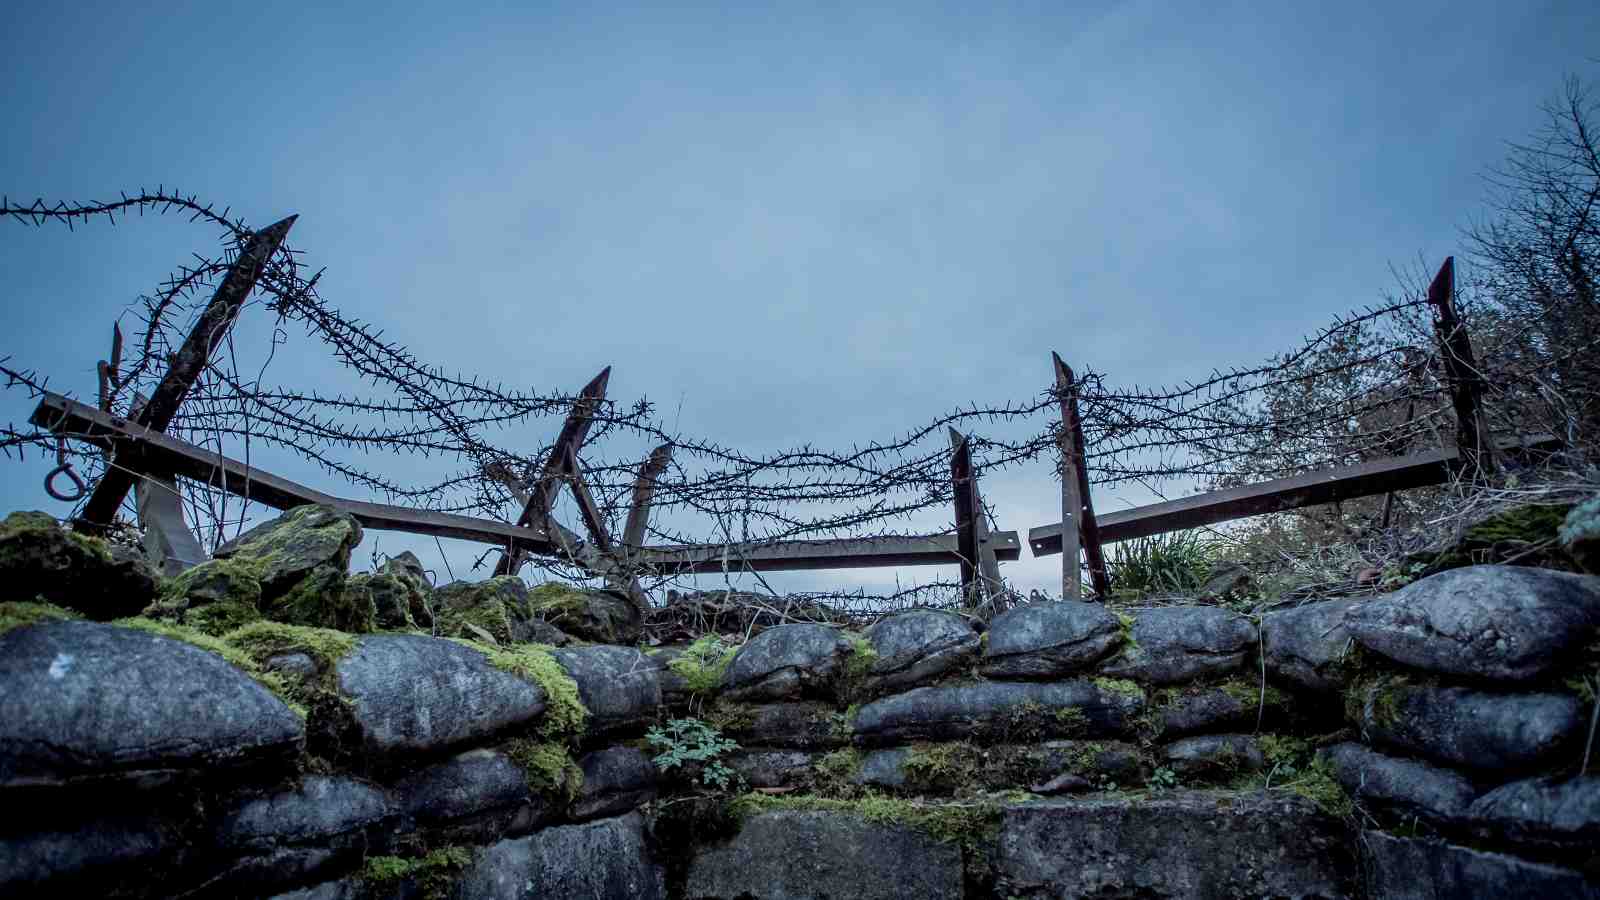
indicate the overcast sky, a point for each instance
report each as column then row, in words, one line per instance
column 826, row 225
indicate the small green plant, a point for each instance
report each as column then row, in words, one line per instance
column 693, row 741
column 1398, row 575
column 1164, row 779
column 1161, row 564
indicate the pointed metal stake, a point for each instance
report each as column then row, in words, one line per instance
column 1461, row 370
column 644, row 489
column 542, row 497
column 980, row 569
column 1077, row 507
column 189, row 362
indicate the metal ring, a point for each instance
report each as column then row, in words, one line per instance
column 49, row 483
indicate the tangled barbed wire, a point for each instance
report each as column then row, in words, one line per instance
column 1367, row 385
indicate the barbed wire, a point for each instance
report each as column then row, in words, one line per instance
column 1367, row 385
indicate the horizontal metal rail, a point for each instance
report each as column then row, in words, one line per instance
column 1381, row 476
column 841, row 553
column 139, row 449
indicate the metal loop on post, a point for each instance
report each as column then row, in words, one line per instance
column 72, row 475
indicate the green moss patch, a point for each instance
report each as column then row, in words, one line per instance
column 433, row 874
column 564, row 715
column 263, row 640
column 1120, row 686
column 553, row 599
column 858, row 664
column 22, row 614
column 836, row 772
column 972, row 824
column 236, row 657
column 1525, row 535
column 321, row 600
column 702, row 663
column 943, row 767
column 548, row 768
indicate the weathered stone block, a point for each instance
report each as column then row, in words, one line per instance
column 1404, row 786
column 469, row 785
column 1398, row 868
column 299, row 835
column 786, row 663
column 1174, row 644
column 1046, row 640
column 1189, row 845
column 302, row 558
column 1214, row 756
column 318, row 810
column 1496, row 623
column 999, row 711
column 805, row 854
column 918, row 646
column 604, row 860
column 1307, row 646
column 615, row 780
column 1551, row 813
column 39, row 558
column 800, row 726
column 1467, row 728
column 119, row 854
column 79, row 700
column 419, row 694
column 619, row 686
column 772, row 768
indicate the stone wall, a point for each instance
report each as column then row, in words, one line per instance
column 272, row 727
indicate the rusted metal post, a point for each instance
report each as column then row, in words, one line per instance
column 611, row 562
column 644, row 489
column 1077, row 506
column 542, row 497
column 169, row 543
column 980, row 567
column 1461, row 371
column 187, row 365
column 1071, row 500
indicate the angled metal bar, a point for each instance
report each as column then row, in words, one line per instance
column 169, row 543
column 967, row 510
column 542, row 496
column 988, row 566
column 1088, row 526
column 588, row 510
column 644, row 489
column 1476, row 451
column 1294, row 492
column 1071, row 499
column 189, row 361
column 835, row 553
column 141, row 450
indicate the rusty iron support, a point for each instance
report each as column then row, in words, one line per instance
column 143, row 451
column 1367, row 479
column 1076, row 503
column 188, row 363
column 169, row 544
column 1475, row 450
column 607, row 558
column 980, row 567
column 644, row 490
column 542, row 497
column 1071, row 499
column 832, row 553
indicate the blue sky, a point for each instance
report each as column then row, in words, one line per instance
column 823, row 224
